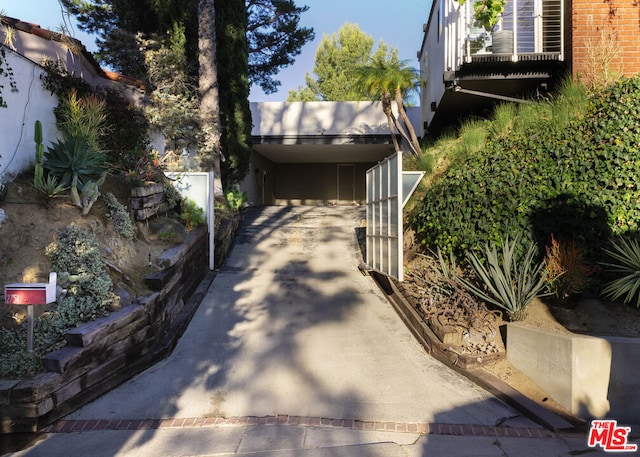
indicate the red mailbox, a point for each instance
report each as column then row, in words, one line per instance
column 31, row 294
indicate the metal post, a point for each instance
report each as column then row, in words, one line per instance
column 30, row 328
column 211, row 218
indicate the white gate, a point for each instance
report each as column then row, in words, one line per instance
column 388, row 190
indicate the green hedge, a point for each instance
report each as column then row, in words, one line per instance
column 576, row 178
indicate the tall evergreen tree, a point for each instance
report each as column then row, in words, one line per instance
column 274, row 35
column 233, row 75
column 337, row 59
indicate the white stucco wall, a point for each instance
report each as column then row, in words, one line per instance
column 32, row 102
column 432, row 61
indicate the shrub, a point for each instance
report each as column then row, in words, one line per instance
column 128, row 126
column 120, row 217
column 83, row 118
column 565, row 271
column 192, row 215
column 76, row 256
column 49, row 188
column 74, row 162
column 506, row 282
column 626, row 257
column 577, row 177
column 236, row 198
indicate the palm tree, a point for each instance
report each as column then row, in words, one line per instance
column 389, row 79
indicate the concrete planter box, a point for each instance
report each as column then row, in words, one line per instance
column 592, row 377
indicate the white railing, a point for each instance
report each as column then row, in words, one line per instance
column 528, row 30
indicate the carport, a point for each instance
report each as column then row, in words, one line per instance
column 315, row 153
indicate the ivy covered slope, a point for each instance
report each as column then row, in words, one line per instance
column 570, row 168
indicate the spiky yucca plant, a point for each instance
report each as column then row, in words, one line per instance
column 626, row 253
column 508, row 284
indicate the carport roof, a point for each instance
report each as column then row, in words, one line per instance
column 324, row 148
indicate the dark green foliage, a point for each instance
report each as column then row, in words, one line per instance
column 191, row 214
column 576, row 179
column 275, row 37
column 233, row 77
column 128, row 126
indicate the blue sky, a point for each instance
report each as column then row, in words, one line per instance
column 398, row 23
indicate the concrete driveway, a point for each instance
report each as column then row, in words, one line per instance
column 291, row 326
column 291, row 332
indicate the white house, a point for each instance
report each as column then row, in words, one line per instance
column 27, row 46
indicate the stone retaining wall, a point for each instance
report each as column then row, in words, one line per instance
column 102, row 354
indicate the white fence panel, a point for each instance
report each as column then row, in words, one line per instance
column 384, row 217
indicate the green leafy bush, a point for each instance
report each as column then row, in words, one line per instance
column 574, row 175
column 192, row 215
column 49, row 188
column 77, row 254
column 236, row 198
column 128, row 127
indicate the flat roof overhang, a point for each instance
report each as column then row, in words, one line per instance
column 324, row 148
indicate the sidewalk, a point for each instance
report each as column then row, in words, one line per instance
column 283, row 436
column 294, row 352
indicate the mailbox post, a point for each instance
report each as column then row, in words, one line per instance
column 30, row 294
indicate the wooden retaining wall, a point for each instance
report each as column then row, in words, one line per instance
column 102, row 354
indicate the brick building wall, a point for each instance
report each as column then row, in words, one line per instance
column 605, row 38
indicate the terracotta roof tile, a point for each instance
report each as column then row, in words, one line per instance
column 35, row 29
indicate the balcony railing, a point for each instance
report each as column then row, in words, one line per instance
column 528, row 30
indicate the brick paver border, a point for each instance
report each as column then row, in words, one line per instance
column 74, row 426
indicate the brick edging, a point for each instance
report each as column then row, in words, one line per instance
column 74, row 426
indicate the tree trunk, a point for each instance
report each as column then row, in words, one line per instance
column 210, row 152
column 386, row 107
column 403, row 133
column 403, row 115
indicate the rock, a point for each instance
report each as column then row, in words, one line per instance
column 3, row 216
column 123, row 294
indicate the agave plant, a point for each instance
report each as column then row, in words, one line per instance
column 49, row 187
column 508, row 284
column 74, row 158
column 627, row 255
